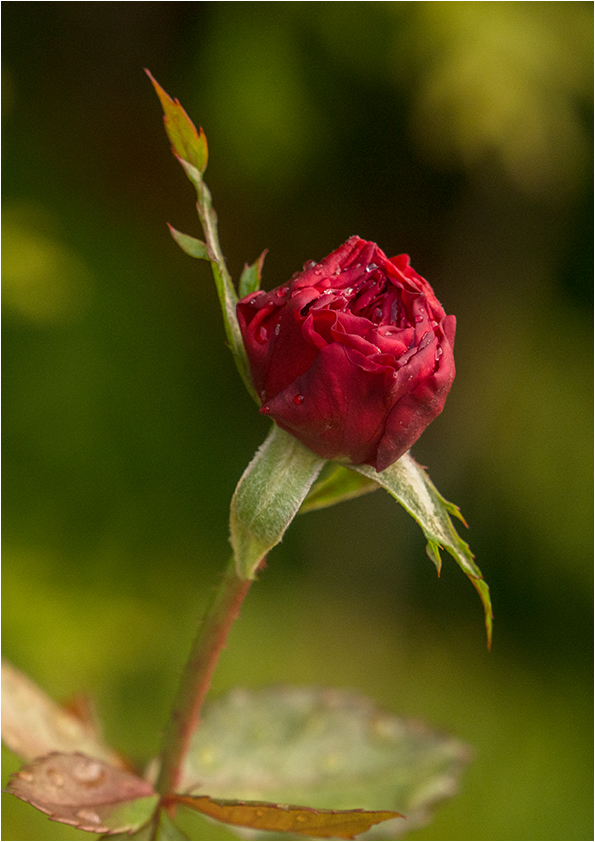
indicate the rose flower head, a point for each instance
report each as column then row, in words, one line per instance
column 353, row 356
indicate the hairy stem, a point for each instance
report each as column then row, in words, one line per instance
column 225, row 288
column 197, row 675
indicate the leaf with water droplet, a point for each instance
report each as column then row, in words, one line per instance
column 262, row 815
column 409, row 484
column 327, row 748
column 187, row 143
column 85, row 792
column 33, row 725
column 251, row 276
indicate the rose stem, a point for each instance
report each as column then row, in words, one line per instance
column 197, row 674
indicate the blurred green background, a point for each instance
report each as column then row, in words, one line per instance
column 460, row 133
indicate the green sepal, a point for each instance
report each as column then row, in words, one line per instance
column 409, row 484
column 251, row 276
column 190, row 245
column 334, row 485
column 268, row 496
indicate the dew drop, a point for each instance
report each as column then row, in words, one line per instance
column 55, row 777
column 88, row 772
column 263, row 334
column 277, row 330
column 438, row 352
column 298, row 399
column 348, row 291
column 371, row 267
column 283, row 291
column 266, row 409
column 88, row 816
column 309, row 264
column 419, row 319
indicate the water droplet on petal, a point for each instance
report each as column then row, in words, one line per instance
column 277, row 330
column 419, row 319
column 88, row 771
column 266, row 409
column 371, row 267
column 438, row 352
column 283, row 291
column 298, row 399
column 88, row 816
column 348, row 291
column 309, row 264
column 55, row 777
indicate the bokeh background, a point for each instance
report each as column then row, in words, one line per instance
column 460, row 133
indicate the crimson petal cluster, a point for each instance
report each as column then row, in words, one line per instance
column 353, row 356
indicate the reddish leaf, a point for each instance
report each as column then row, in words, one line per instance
column 323, row 824
column 33, row 725
column 87, row 793
column 188, row 144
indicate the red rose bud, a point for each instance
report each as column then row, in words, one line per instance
column 354, row 356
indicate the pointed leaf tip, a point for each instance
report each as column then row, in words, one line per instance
column 187, row 143
column 251, row 275
column 190, row 245
column 410, row 485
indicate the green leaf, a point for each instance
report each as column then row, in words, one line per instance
column 192, row 246
column 409, row 484
column 85, row 792
column 268, row 497
column 33, row 725
column 334, row 485
column 283, row 818
column 330, row 749
column 251, row 276
column 187, row 143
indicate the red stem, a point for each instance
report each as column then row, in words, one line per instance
column 197, row 675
